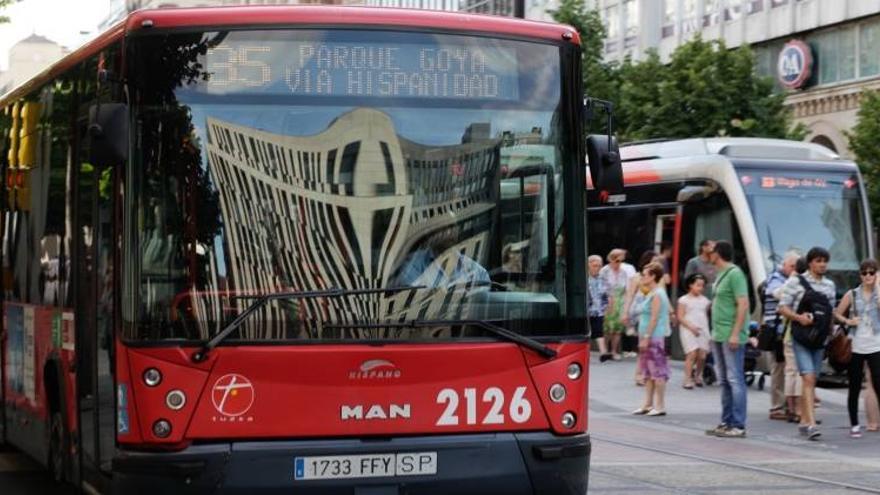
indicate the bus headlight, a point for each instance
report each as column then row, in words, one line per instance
column 574, row 371
column 175, row 400
column 557, row 392
column 569, row 419
column 152, row 377
column 162, row 428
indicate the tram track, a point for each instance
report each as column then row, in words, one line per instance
column 723, row 462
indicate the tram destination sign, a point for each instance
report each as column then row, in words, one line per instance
column 363, row 69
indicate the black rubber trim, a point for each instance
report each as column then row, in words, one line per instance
column 551, row 452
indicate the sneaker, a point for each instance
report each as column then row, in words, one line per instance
column 733, row 433
column 714, row 432
column 855, row 432
column 813, row 433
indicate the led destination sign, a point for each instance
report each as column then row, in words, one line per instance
column 364, row 69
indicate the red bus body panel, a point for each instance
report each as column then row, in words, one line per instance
column 348, row 16
column 300, row 391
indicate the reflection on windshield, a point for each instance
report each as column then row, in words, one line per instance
column 245, row 198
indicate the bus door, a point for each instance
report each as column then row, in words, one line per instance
column 94, row 282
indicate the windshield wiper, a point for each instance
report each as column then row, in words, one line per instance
column 490, row 327
column 263, row 299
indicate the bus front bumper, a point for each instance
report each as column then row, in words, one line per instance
column 485, row 464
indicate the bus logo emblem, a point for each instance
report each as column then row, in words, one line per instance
column 232, row 395
column 374, row 369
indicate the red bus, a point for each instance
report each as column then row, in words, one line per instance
column 279, row 248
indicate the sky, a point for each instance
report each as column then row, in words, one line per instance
column 62, row 21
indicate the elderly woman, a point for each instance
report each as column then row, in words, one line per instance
column 616, row 275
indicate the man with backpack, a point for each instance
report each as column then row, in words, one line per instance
column 807, row 302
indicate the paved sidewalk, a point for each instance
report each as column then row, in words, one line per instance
column 625, row 444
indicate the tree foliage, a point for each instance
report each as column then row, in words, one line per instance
column 3, row 5
column 704, row 90
column 864, row 142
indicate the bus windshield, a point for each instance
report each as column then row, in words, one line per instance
column 308, row 160
column 796, row 211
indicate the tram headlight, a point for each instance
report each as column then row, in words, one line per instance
column 569, row 419
column 162, row 428
column 152, row 377
column 175, row 400
column 557, row 392
column 574, row 371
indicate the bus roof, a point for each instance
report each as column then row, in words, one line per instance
column 734, row 147
column 291, row 15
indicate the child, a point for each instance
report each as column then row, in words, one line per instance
column 693, row 319
column 653, row 326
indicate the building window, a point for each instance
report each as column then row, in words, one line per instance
column 733, row 10
column 777, row 3
column 869, row 50
column 836, row 55
column 612, row 22
column 711, row 12
column 689, row 21
column 631, row 18
column 668, row 18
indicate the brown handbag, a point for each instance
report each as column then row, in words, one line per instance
column 839, row 348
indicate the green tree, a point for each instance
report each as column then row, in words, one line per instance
column 600, row 78
column 705, row 90
column 864, row 142
column 3, row 5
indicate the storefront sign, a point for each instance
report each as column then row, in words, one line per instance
column 795, row 64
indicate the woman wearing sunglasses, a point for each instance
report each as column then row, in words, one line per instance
column 864, row 325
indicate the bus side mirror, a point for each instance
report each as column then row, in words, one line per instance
column 108, row 134
column 606, row 172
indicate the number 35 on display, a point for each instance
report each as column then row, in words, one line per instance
column 519, row 409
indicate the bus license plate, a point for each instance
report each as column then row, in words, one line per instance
column 365, row 466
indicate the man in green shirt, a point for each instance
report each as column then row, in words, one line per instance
column 730, row 331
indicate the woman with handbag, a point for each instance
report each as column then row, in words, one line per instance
column 864, row 320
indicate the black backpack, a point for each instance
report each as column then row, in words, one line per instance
column 816, row 334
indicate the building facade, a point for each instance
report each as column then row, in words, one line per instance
column 27, row 58
column 840, row 55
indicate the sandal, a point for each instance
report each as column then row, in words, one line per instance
column 656, row 412
column 687, row 385
column 642, row 411
column 794, row 418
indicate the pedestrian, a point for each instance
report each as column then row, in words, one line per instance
column 772, row 322
column 702, row 264
column 809, row 360
column 693, row 329
column 598, row 305
column 863, row 305
column 616, row 275
column 653, row 326
column 636, row 293
column 730, row 332
column 793, row 381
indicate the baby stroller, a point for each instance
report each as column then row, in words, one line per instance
column 750, row 364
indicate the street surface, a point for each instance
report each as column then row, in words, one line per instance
column 671, row 454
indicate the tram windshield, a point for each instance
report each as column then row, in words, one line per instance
column 797, row 211
column 309, row 160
